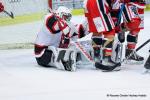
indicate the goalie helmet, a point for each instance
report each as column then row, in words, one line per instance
column 64, row 13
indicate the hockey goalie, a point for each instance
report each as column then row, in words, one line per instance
column 56, row 43
column 52, row 42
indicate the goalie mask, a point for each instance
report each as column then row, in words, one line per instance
column 64, row 13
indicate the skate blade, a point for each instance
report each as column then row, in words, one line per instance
column 133, row 62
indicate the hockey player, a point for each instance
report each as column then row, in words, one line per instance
column 133, row 15
column 101, row 25
column 51, row 44
column 1, row 7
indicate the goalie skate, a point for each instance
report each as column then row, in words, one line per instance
column 68, row 59
column 70, row 64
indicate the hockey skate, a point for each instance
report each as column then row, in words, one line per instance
column 133, row 58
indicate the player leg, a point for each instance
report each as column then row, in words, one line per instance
column 132, row 40
column 132, row 22
column 108, row 46
column 97, row 46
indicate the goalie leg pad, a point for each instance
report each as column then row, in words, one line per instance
column 70, row 63
column 64, row 58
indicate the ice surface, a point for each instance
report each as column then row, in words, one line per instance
column 22, row 79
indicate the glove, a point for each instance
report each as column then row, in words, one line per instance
column 1, row 7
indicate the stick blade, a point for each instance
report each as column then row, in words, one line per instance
column 105, row 67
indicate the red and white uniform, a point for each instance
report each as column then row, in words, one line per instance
column 1, row 7
column 134, row 20
column 52, row 33
column 100, row 23
column 141, row 14
column 134, row 11
column 98, row 16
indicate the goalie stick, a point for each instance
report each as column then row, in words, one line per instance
column 9, row 14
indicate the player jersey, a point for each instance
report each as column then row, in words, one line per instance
column 98, row 16
column 50, row 33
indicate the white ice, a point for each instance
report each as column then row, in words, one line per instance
column 22, row 79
